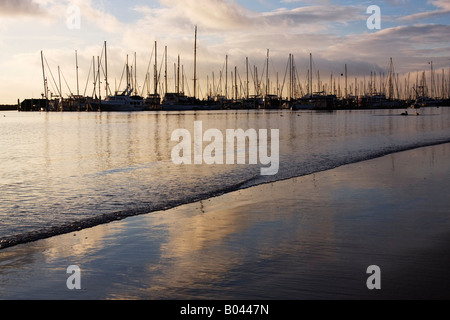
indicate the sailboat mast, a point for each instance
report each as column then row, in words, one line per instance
column 195, row 64
column 235, row 83
column 246, row 62
column 214, row 85
column 391, row 87
column 135, row 76
column 267, row 74
column 290, row 76
column 95, row 77
column 43, row 74
column 128, row 75
column 346, row 82
column 165, row 72
column 99, row 80
column 156, row 68
column 432, row 80
column 60, row 88
column 76, row 63
column 310, row 75
column 178, row 75
column 226, row 77
column 293, row 93
column 106, row 71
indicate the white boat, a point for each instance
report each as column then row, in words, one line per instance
column 121, row 102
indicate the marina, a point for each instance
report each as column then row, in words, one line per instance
column 384, row 91
column 196, row 154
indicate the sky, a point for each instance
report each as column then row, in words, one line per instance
column 412, row 33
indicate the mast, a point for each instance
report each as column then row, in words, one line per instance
column 214, row 85
column 294, row 79
column 195, row 64
column 256, row 81
column 135, row 75
column 432, row 80
column 182, row 79
column 78, row 85
column 232, row 86
column 330, row 90
column 76, row 63
column 290, row 76
column 45, row 79
column 128, row 75
column 267, row 74
column 310, row 75
column 226, row 78
column 235, row 83
column 346, row 82
column 246, row 62
column 156, row 68
column 99, row 81
column 175, row 77
column 391, row 87
column 60, row 88
column 278, row 87
column 106, row 71
column 178, row 76
column 208, row 88
column 318, row 81
column 165, row 73
column 95, row 77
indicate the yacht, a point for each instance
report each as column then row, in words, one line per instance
column 121, row 102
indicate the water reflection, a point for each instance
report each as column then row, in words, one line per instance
column 53, row 170
column 305, row 238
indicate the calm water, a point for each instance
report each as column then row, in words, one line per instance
column 312, row 238
column 59, row 168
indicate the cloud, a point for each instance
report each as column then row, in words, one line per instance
column 210, row 14
column 97, row 15
column 9, row 8
column 443, row 10
column 226, row 28
column 398, row 2
column 213, row 16
column 321, row 2
column 316, row 15
column 413, row 46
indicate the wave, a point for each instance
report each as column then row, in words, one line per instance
column 11, row 241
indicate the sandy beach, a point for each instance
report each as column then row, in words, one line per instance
column 311, row 237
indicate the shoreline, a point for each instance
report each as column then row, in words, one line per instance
column 309, row 237
column 347, row 108
column 9, row 242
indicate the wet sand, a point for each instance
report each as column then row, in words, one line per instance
column 311, row 237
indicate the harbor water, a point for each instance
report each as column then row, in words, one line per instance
column 68, row 171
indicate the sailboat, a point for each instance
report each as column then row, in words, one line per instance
column 179, row 101
column 122, row 102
